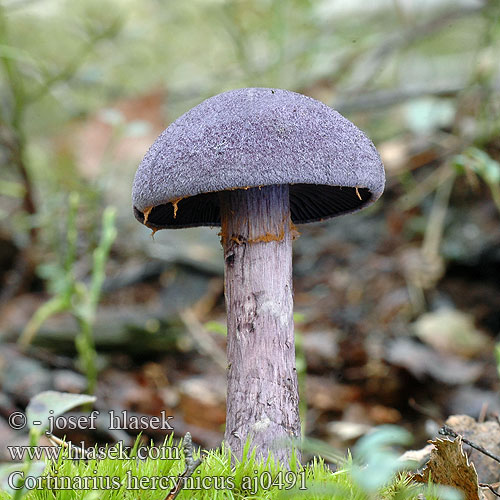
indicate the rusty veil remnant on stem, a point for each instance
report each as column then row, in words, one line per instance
column 256, row 161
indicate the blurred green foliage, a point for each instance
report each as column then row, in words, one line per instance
column 395, row 68
column 477, row 162
column 73, row 295
column 71, row 57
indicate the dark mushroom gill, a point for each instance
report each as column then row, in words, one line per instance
column 308, row 203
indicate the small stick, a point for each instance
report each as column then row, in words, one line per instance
column 67, row 445
column 191, row 466
column 497, row 418
column 448, row 431
column 483, row 413
column 426, row 412
column 490, row 487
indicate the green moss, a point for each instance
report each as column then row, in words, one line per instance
column 131, row 477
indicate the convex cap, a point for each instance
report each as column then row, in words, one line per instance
column 256, row 137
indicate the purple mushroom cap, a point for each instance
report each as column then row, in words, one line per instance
column 256, row 137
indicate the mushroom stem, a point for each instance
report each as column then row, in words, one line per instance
column 262, row 396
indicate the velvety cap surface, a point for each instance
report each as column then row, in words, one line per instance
column 256, row 137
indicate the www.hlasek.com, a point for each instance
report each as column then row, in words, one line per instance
column 251, row 484
column 73, row 452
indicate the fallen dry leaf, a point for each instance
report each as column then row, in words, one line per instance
column 449, row 466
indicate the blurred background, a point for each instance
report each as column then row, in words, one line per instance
column 397, row 307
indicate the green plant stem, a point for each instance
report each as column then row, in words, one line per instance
column 85, row 315
column 55, row 305
column 71, row 235
column 85, row 346
column 80, row 300
column 62, row 301
column 101, row 255
column 435, row 224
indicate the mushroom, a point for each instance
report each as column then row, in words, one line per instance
column 256, row 161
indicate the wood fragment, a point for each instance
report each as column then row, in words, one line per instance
column 357, row 192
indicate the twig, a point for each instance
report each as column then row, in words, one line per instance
column 497, row 418
column 448, row 431
column 426, row 186
column 484, row 412
column 426, row 412
column 378, row 99
column 435, row 223
column 375, row 59
column 191, row 466
column 67, row 445
column 16, row 145
column 490, row 487
column 77, row 60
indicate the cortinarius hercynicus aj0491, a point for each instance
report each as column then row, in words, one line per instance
column 256, row 161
